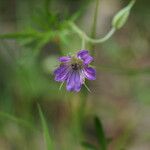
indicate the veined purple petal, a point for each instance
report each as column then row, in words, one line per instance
column 77, row 82
column 73, row 81
column 62, row 77
column 82, row 52
column 61, row 73
column 88, row 59
column 90, row 73
column 65, row 59
column 84, row 55
column 70, row 81
column 58, row 70
column 82, row 76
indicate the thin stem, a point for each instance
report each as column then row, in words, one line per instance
column 83, row 43
column 89, row 39
column 92, row 46
column 87, row 88
column 61, row 85
column 105, row 38
column 94, row 26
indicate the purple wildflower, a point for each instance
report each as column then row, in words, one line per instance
column 74, row 70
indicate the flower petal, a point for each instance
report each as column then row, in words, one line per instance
column 58, row 70
column 77, row 82
column 61, row 73
column 73, row 82
column 64, row 59
column 82, row 52
column 84, row 55
column 90, row 73
column 70, row 81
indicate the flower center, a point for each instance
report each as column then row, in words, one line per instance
column 75, row 66
column 76, row 63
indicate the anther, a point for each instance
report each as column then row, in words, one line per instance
column 75, row 66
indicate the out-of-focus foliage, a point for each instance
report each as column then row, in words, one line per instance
column 33, row 34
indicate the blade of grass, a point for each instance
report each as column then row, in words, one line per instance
column 88, row 146
column 48, row 139
column 100, row 133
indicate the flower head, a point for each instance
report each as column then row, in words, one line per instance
column 74, row 69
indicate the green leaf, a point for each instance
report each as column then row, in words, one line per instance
column 121, row 17
column 48, row 140
column 100, row 133
column 88, row 146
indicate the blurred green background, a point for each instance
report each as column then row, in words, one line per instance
column 33, row 34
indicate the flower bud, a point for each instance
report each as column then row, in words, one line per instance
column 121, row 17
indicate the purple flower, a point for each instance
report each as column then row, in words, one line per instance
column 74, row 69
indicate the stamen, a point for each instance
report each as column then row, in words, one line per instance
column 61, row 85
column 87, row 87
column 75, row 66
